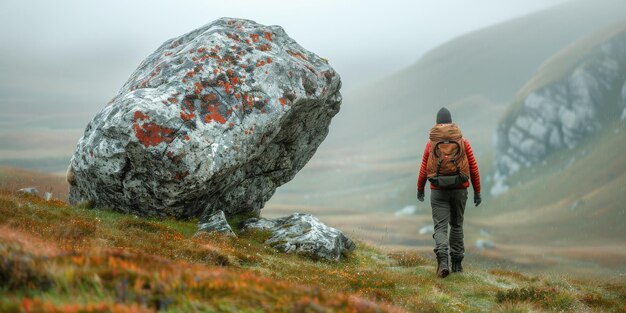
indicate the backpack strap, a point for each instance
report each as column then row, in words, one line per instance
column 438, row 166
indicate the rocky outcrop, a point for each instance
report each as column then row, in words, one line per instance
column 558, row 115
column 303, row 234
column 215, row 119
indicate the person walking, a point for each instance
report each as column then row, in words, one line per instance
column 449, row 165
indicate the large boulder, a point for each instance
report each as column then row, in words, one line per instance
column 215, row 119
column 303, row 234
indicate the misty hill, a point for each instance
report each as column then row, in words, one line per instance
column 483, row 67
column 491, row 64
column 560, row 148
column 48, row 98
column 576, row 93
column 372, row 151
column 58, row 258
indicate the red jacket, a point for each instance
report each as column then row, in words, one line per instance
column 473, row 167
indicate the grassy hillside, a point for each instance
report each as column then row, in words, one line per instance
column 593, row 172
column 13, row 179
column 575, row 196
column 55, row 258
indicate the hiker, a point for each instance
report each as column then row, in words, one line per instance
column 448, row 164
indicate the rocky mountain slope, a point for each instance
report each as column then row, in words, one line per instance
column 560, row 171
column 578, row 92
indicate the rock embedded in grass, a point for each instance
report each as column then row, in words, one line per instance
column 29, row 191
column 215, row 119
column 216, row 222
column 303, row 234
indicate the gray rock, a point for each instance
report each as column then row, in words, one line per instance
column 577, row 204
column 47, row 196
column 29, row 190
column 485, row 244
column 215, row 119
column 485, row 233
column 406, row 211
column 427, row 229
column 303, row 234
column 560, row 114
column 216, row 222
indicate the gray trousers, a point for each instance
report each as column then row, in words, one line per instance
column 448, row 208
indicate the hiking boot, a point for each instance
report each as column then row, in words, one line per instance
column 456, row 266
column 442, row 266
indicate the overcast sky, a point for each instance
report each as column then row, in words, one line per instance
column 364, row 40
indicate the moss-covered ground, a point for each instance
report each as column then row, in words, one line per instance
column 60, row 258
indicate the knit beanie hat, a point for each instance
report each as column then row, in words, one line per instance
column 444, row 116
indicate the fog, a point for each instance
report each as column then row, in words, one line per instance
column 60, row 63
column 363, row 39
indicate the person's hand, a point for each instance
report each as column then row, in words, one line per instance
column 477, row 199
column 420, row 196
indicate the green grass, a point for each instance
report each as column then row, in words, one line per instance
column 56, row 258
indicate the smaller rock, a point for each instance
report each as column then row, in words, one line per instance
column 47, row 196
column 216, row 223
column 259, row 224
column 406, row 211
column 29, row 190
column 303, row 234
column 485, row 233
column 427, row 229
column 485, row 244
column 577, row 204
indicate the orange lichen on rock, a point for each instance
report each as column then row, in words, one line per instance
column 297, row 55
column 214, row 114
column 209, row 97
column 265, row 47
column 140, row 116
column 198, row 88
column 233, row 37
column 187, row 116
column 149, row 133
column 228, row 88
